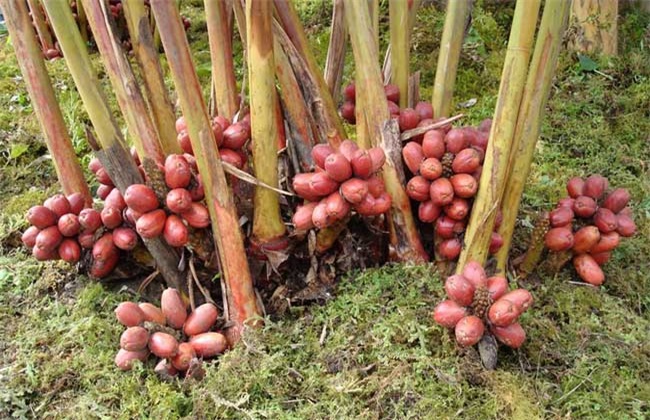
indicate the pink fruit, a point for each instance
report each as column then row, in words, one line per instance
column 58, row 204
column 469, row 330
column 69, row 250
column 178, row 172
column 354, row 190
column 503, row 313
column 197, row 216
column 561, row 216
column 69, row 225
column 179, row 200
column 184, row 357
column 625, row 225
column 475, row 274
column 90, row 220
column 460, row 290
column 111, row 217
column 125, row 359
column 424, row 110
column 418, row 188
column 455, row 140
column 512, row 336
column 458, row 209
column 163, row 345
column 48, row 239
column 617, row 200
column 303, row 215
column 431, row 169
column 151, row 225
column 441, row 192
column 321, row 184
column 447, row 313
column 497, row 286
column 41, row 217
column 141, row 198
column 559, row 239
column 152, row 313
column 588, row 269
column 319, row 153
column 209, row 344
column 466, row 161
column 173, row 308
column 29, row 236
column 575, row 187
column 408, row 119
column 464, row 185
column 201, row 319
column 361, row 164
column 134, row 339
column 129, row 314
column 428, row 212
column 338, row 167
column 175, row 232
column 595, row 186
column 433, row 144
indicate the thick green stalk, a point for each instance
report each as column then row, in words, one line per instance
column 229, row 240
column 449, row 55
column 267, row 222
column 39, row 22
column 404, row 237
column 128, row 95
column 82, row 21
column 146, row 55
column 533, row 104
column 495, row 166
column 400, row 48
column 413, row 6
column 223, row 70
column 46, row 108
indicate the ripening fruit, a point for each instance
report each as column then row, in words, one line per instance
column 321, row 184
column 466, row 161
column 338, row 167
column 447, row 313
column 134, row 339
column 41, row 217
column 48, row 239
column 178, row 172
column 559, row 239
column 607, row 242
column 129, row 314
column 617, row 200
column 124, row 359
column 141, row 198
column 69, row 251
column 173, row 308
column 424, row 110
column 595, row 186
column 503, row 313
column 512, row 336
column 302, row 218
column 588, row 269
column 354, row 190
column 459, row 289
column 431, row 169
column 152, row 313
column 58, row 204
column 236, row 135
column 198, row 216
column 175, row 232
column 151, row 225
column 433, row 144
column 201, row 319
column 625, row 225
column 475, row 274
column 209, row 344
column 69, row 225
column 29, row 236
column 428, row 212
column 441, row 192
column 163, row 345
column 418, row 188
column 575, row 187
column 464, row 185
column 319, row 153
column 585, row 239
column 458, row 209
column 605, row 220
column 361, row 164
column 469, row 330
column 497, row 286
column 455, row 140
column 408, row 119
column 184, row 356
column 561, row 216
column 179, row 200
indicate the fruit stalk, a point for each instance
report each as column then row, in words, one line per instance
column 495, row 166
column 39, row 86
column 336, row 50
column 404, row 237
column 400, row 48
column 146, row 55
column 449, row 55
column 533, row 105
column 228, row 236
column 114, row 155
column 223, row 70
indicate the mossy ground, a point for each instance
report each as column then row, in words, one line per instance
column 587, row 354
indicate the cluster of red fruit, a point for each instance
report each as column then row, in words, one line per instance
column 477, row 303
column 343, row 180
column 230, row 138
column 590, row 223
column 168, row 332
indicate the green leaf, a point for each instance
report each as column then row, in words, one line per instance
column 586, row 63
column 17, row 150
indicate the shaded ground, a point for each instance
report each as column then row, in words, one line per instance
column 373, row 350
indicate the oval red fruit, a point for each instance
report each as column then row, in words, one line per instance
column 469, row 330
column 141, row 198
column 447, row 313
column 201, row 319
column 460, row 290
column 588, row 269
column 41, row 217
column 198, row 216
column 512, row 336
column 173, row 307
column 134, row 339
column 441, row 192
column 617, row 200
column 175, row 231
column 209, row 344
column 575, row 187
column 163, row 345
column 559, row 239
column 129, row 314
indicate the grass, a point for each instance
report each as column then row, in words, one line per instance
column 372, row 351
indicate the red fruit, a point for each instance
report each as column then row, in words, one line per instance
column 129, row 314
column 485, row 125
column 354, row 190
column 236, row 135
column 413, row 156
column 111, row 217
column 163, row 345
column 475, row 274
column 575, row 187
column 361, row 164
column 521, row 298
column 347, row 112
column 141, row 198
column 566, row 202
column 428, row 212
column 201, row 319
column 337, row 207
column 209, row 344
column 447, row 313
column 29, row 236
column 58, row 204
column 607, row 242
column 69, row 250
column 222, row 121
column 408, row 119
column 152, row 313
column 302, row 217
column 466, row 161
column 104, row 190
column 480, row 141
column 617, row 200
column 217, row 130
column 181, row 125
column 584, row 206
column 424, row 110
column 173, row 308
column 301, row 185
column 433, row 144
column 498, row 220
column 131, row 216
column 561, row 216
column 441, row 192
column 349, row 93
column 469, row 330
column 103, row 178
column 179, row 200
column 77, row 202
column 455, row 140
column 595, row 186
column 588, row 269
column 115, row 199
column 198, row 216
column 125, row 238
column 512, row 336
column 185, row 142
column 44, row 254
column 69, row 225
column 41, row 217
column 460, row 289
column 175, row 232
column 559, row 239
column 338, row 167
column 503, row 313
column 125, row 359
column 100, row 269
column 319, row 216
column 496, row 242
column 367, row 206
column 86, row 239
column 393, row 109
column 196, row 189
column 383, row 203
column 445, row 227
column 104, row 249
column 378, row 158
column 95, row 165
column 392, row 93
column 319, row 153
column 151, row 225
column 464, row 185
column 601, row 258
column 134, row 339
column 605, row 220
column 458, row 209
column 321, row 184
column 48, row 239
column 178, row 172
column 348, row 148
column 418, row 188
column 431, row 169
column 184, row 357
column 497, row 286
column 376, row 186
column 626, row 226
